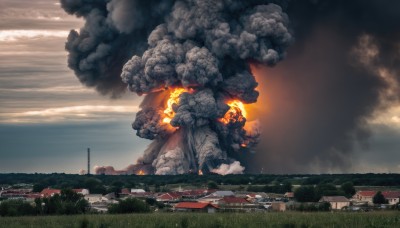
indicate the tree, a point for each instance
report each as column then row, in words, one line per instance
column 348, row 189
column 212, row 185
column 379, row 198
column 305, row 194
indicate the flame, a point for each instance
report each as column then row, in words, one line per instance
column 236, row 112
column 243, row 145
column 200, row 172
column 173, row 99
column 141, row 172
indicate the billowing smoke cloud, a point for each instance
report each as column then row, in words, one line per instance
column 225, row 169
column 200, row 48
column 341, row 69
column 114, row 30
column 131, row 169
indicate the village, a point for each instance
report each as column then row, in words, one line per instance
column 210, row 200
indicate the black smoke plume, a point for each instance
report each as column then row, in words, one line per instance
column 342, row 67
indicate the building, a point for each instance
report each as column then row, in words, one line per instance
column 289, row 195
column 336, row 202
column 364, row 196
column 169, row 197
column 393, row 197
column 195, row 193
column 278, row 206
column 94, row 198
column 195, row 207
column 215, row 196
column 136, row 190
column 82, row 191
column 49, row 192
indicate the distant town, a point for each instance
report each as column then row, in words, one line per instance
column 234, row 193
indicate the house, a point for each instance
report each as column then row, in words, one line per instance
column 30, row 197
column 94, row 198
column 49, row 192
column 278, row 206
column 364, row 196
column 254, row 197
column 136, row 190
column 222, row 193
column 215, row 196
column 393, row 197
column 195, row 193
column 81, row 191
column 125, row 192
column 336, row 202
column 289, row 195
column 195, row 207
column 169, row 197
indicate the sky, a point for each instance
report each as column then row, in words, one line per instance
column 48, row 118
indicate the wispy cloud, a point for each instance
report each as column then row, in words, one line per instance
column 70, row 114
column 15, row 35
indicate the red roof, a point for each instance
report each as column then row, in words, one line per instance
column 125, row 191
column 49, row 191
column 194, row 205
column 366, row 193
column 233, row 199
column 169, row 196
column 391, row 194
column 197, row 192
column 33, row 196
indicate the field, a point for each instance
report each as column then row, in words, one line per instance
column 228, row 220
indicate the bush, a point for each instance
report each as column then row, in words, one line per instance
column 305, row 194
column 130, row 205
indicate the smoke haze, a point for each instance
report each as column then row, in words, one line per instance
column 342, row 67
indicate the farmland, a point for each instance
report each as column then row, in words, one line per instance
column 286, row 219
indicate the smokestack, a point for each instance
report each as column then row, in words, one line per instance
column 88, row 161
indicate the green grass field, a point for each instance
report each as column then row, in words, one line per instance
column 286, row 219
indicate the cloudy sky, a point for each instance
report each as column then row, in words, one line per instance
column 48, row 119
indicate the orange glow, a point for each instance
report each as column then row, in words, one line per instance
column 141, row 173
column 173, row 99
column 243, row 145
column 200, row 172
column 236, row 112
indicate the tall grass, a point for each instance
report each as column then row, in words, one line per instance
column 228, row 220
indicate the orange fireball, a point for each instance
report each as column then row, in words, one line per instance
column 173, row 99
column 235, row 113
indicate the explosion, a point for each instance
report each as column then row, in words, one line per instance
column 173, row 100
column 190, row 59
column 236, row 112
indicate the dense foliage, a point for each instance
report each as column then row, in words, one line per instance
column 180, row 220
column 130, row 205
column 67, row 203
column 379, row 198
column 96, row 183
column 310, row 193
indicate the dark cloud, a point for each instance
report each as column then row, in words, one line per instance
column 321, row 96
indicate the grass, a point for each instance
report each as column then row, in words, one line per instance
column 228, row 220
